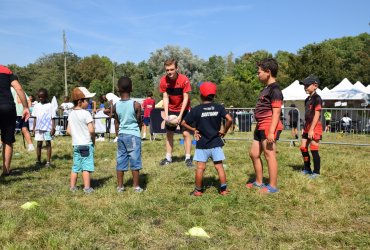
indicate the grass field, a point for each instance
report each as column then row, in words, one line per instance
column 331, row 212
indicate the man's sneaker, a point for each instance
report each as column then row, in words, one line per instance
column 88, row 190
column 30, row 147
column 138, row 190
column 268, row 189
column 189, row 163
column 254, row 184
column 196, row 193
column 73, row 189
column 120, row 189
column 313, row 176
column 115, row 139
column 164, row 162
column 306, row 172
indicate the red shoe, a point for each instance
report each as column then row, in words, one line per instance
column 196, row 193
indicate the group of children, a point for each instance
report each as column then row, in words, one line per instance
column 204, row 121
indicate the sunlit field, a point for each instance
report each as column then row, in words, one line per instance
column 330, row 212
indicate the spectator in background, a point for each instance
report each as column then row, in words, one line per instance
column 148, row 105
column 327, row 116
column 346, row 122
column 293, row 120
column 66, row 107
column 21, row 124
column 102, row 100
column 8, row 114
column 33, row 102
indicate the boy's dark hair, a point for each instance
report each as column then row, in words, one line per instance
column 43, row 90
column 124, row 85
column 170, row 61
column 149, row 94
column 269, row 64
column 208, row 98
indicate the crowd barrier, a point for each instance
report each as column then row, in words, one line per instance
column 244, row 121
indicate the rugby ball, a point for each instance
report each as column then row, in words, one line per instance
column 171, row 121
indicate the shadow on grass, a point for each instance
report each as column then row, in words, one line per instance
column 252, row 178
column 97, row 183
column 6, row 180
column 61, row 157
column 178, row 159
column 18, row 171
column 143, row 181
column 297, row 168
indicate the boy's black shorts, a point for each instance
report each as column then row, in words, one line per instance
column 261, row 135
column 21, row 123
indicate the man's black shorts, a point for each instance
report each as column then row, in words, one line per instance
column 293, row 124
column 8, row 116
column 20, row 123
column 261, row 135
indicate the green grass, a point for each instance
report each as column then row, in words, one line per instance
column 328, row 213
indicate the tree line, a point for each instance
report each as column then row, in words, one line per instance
column 331, row 60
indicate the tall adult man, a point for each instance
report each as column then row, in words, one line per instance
column 8, row 113
column 176, row 101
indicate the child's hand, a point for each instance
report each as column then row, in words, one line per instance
column 310, row 134
column 197, row 136
column 221, row 133
column 52, row 132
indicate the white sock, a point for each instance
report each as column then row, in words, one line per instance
column 144, row 135
column 187, row 156
column 169, row 157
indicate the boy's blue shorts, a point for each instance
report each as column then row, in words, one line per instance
column 128, row 151
column 202, row 155
column 83, row 158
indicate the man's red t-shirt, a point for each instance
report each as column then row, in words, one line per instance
column 148, row 106
column 175, row 90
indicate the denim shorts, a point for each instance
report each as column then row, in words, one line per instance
column 128, row 151
column 83, row 158
column 202, row 155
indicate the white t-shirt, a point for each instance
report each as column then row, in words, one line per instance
column 77, row 121
column 44, row 113
column 346, row 120
column 67, row 108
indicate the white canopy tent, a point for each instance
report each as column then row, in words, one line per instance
column 358, row 85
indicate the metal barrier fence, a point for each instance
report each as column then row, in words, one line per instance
column 353, row 131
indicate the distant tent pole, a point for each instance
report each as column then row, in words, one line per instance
column 65, row 63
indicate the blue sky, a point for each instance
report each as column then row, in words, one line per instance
column 130, row 30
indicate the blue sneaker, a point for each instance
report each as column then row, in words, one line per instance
column 306, row 172
column 268, row 189
column 313, row 176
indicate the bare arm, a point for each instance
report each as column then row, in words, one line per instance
column 274, row 122
column 229, row 122
column 313, row 124
column 116, row 120
column 165, row 105
column 91, row 128
column 184, row 104
column 137, row 108
column 18, row 88
column 69, row 129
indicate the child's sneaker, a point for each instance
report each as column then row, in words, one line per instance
column 88, row 190
column 268, row 189
column 138, row 190
column 313, row 176
column 165, row 162
column 225, row 192
column 254, row 184
column 306, row 172
column 196, row 193
column 73, row 189
column 120, row 189
column 31, row 147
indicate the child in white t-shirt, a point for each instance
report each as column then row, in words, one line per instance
column 81, row 128
column 43, row 126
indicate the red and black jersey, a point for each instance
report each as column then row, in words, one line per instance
column 6, row 78
column 270, row 97
column 148, row 106
column 175, row 90
column 312, row 103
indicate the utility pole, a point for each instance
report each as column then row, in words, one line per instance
column 65, row 63
column 113, row 79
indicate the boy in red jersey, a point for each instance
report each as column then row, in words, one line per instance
column 269, row 126
column 312, row 131
column 148, row 105
column 176, row 101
